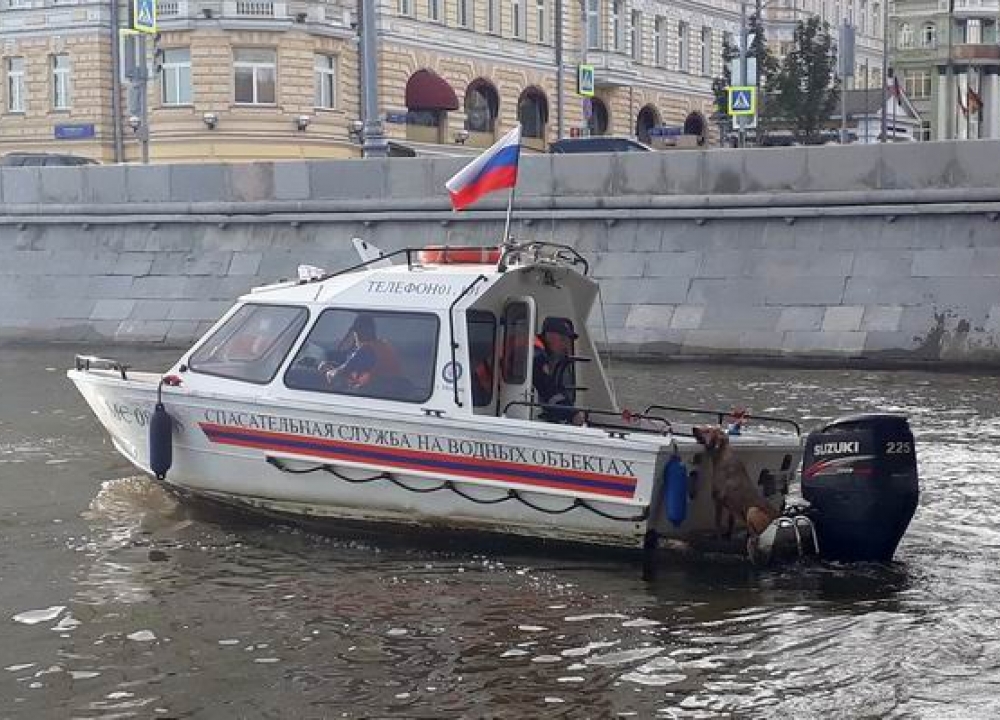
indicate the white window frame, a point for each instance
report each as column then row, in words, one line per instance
column 617, row 25
column 404, row 7
column 17, row 99
column 464, row 12
column 175, row 69
column 593, row 24
column 325, row 73
column 904, row 36
column 62, row 82
column 434, row 13
column 635, row 34
column 541, row 26
column 706, row 50
column 493, row 19
column 517, row 18
column 659, row 25
column 683, row 46
column 255, row 66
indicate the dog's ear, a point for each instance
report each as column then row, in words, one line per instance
column 699, row 434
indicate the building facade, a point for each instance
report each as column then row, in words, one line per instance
column 272, row 79
column 947, row 56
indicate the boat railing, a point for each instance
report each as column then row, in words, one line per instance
column 92, row 362
column 412, row 255
column 535, row 251
column 616, row 424
column 721, row 415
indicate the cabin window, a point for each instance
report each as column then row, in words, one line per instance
column 482, row 332
column 386, row 355
column 517, row 342
column 251, row 344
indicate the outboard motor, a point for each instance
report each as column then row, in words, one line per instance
column 859, row 474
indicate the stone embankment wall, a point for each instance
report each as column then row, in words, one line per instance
column 874, row 252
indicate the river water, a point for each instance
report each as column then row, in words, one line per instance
column 116, row 602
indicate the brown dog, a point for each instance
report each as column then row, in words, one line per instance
column 735, row 495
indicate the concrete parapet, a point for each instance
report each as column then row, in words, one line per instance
column 878, row 252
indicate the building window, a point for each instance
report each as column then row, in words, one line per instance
column 593, row 24
column 481, row 107
column 533, row 113
column 517, row 18
column 877, row 19
column 683, row 49
column 175, row 77
column 540, row 15
column 658, row 35
column 973, row 31
column 16, row 98
column 404, row 7
column 617, row 31
column 925, row 131
column 706, row 51
column 905, row 37
column 635, row 35
column 61, row 83
column 254, row 71
column 917, row 84
column 464, row 16
column 863, row 18
column 326, row 81
column 928, row 35
column 434, row 10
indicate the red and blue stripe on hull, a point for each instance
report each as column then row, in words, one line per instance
column 531, row 476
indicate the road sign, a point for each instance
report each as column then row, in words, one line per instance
column 585, row 80
column 742, row 100
column 144, row 16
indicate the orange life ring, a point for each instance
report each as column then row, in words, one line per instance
column 444, row 255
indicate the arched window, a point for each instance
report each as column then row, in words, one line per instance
column 533, row 113
column 648, row 118
column 928, row 35
column 599, row 121
column 482, row 104
column 694, row 124
column 429, row 97
column 905, row 36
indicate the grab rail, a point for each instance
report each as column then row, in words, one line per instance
column 723, row 414
column 408, row 251
column 588, row 412
column 451, row 330
column 88, row 362
column 563, row 252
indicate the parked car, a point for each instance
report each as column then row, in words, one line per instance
column 598, row 144
column 40, row 159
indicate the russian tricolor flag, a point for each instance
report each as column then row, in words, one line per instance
column 495, row 169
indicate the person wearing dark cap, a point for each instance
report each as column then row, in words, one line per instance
column 552, row 372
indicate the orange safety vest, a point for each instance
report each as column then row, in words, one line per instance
column 387, row 364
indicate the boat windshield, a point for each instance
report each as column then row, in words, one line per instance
column 251, row 344
column 376, row 354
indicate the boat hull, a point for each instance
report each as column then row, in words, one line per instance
column 354, row 464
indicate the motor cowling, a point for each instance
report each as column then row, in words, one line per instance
column 859, row 475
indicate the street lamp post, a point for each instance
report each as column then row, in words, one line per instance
column 373, row 137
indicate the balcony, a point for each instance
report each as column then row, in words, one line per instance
column 255, row 9
column 977, row 54
column 612, row 69
column 172, row 9
column 972, row 8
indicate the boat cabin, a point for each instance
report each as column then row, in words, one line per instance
column 449, row 332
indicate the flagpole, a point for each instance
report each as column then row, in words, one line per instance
column 510, row 211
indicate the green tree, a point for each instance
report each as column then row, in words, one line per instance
column 804, row 92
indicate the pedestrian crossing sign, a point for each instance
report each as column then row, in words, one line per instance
column 743, row 100
column 144, row 16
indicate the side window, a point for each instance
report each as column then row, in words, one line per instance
column 387, row 355
column 251, row 344
column 482, row 332
column 516, row 344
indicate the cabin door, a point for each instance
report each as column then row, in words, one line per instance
column 516, row 359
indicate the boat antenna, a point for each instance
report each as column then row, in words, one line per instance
column 607, row 345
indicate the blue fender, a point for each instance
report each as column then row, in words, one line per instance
column 675, row 490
